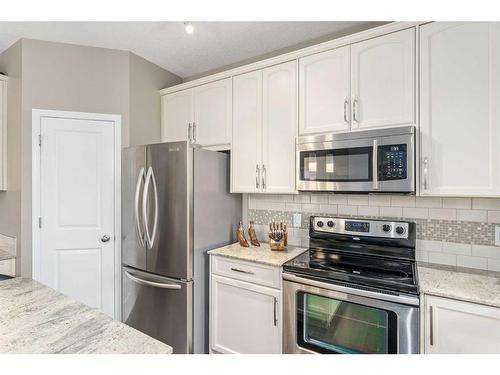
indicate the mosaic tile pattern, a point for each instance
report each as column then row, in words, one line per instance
column 466, row 232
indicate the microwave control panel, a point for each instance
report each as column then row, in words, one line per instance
column 392, row 160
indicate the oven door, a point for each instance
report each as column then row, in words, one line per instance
column 325, row 318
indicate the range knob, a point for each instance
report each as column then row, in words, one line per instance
column 400, row 230
column 320, row 224
column 386, row 228
column 330, row 223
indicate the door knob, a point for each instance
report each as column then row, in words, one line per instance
column 105, row 238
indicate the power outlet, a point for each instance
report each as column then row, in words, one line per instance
column 497, row 235
column 297, row 220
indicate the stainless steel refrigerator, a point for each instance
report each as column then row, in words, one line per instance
column 176, row 206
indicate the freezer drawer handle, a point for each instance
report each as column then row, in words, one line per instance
column 151, row 283
column 140, row 179
column 150, row 238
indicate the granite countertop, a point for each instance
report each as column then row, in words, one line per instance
column 37, row 319
column 262, row 254
column 460, row 283
column 5, row 255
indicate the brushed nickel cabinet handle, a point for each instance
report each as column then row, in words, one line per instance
column 264, row 176
column 194, row 132
column 190, row 133
column 275, row 312
column 242, row 271
column 431, row 325
column 426, row 173
column 257, row 176
column 346, row 102
column 355, row 110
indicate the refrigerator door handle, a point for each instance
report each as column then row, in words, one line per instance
column 150, row 237
column 140, row 179
column 151, row 283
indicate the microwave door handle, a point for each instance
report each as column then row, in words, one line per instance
column 140, row 180
column 375, row 165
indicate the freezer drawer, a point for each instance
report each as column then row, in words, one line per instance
column 160, row 307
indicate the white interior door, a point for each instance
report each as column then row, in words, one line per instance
column 77, row 205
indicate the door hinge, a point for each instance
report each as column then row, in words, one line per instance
column 40, row 140
column 39, row 222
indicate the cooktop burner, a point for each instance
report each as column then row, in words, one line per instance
column 373, row 260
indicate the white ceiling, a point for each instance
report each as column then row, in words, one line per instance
column 212, row 45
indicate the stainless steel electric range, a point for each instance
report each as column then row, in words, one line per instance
column 355, row 290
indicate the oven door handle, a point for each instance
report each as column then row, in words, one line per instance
column 405, row 299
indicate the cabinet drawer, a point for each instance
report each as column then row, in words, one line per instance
column 246, row 271
column 8, row 267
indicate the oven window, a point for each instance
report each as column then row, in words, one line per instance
column 350, row 164
column 327, row 325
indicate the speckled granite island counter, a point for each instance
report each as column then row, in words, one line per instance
column 37, row 319
column 460, row 283
column 262, row 254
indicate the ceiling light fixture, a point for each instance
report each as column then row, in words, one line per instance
column 188, row 27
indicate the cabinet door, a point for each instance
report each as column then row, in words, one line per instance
column 383, row 80
column 460, row 115
column 279, row 128
column 177, row 114
column 246, row 149
column 3, row 134
column 456, row 327
column 213, row 113
column 324, row 91
column 244, row 317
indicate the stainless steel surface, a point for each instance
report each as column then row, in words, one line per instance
column 263, row 176
column 151, row 283
column 407, row 316
column 189, row 186
column 426, row 173
column 140, row 181
column 354, row 139
column 162, row 313
column 105, row 238
column 376, row 227
column 431, row 325
column 401, row 298
column 172, row 253
column 257, row 176
column 242, row 271
column 374, row 164
column 346, row 102
column 133, row 166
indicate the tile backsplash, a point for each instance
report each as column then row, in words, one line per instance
column 451, row 231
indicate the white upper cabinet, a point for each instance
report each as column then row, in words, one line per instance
column 177, row 114
column 279, row 128
column 456, row 327
column 460, row 111
column 201, row 115
column 213, row 113
column 383, row 80
column 324, row 91
column 3, row 132
column 246, row 148
column 264, row 130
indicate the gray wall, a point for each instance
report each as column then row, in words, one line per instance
column 146, row 79
column 10, row 200
column 76, row 78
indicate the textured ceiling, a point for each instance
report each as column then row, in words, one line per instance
column 211, row 46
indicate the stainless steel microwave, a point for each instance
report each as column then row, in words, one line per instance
column 368, row 161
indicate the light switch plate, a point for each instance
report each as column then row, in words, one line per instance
column 497, row 235
column 297, row 220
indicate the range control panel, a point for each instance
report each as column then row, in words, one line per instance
column 360, row 227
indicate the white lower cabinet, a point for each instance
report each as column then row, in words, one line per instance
column 245, row 317
column 8, row 267
column 457, row 327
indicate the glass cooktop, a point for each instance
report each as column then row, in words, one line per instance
column 396, row 275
